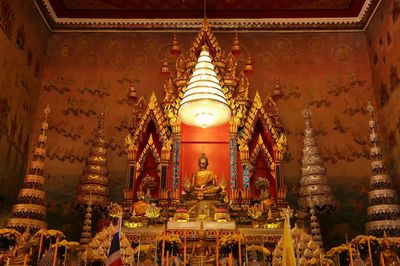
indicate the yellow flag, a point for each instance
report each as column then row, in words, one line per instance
column 288, row 258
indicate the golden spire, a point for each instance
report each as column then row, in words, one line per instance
column 94, row 181
column 384, row 210
column 30, row 210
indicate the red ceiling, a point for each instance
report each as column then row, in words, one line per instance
column 160, row 14
column 215, row 8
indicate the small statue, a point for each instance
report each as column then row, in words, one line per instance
column 140, row 207
column 281, row 143
column 201, row 251
column 243, row 87
column 200, row 248
column 388, row 254
column 230, row 66
column 181, row 68
column 205, row 181
column 22, row 248
column 169, row 90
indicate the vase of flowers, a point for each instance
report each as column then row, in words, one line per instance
column 148, row 183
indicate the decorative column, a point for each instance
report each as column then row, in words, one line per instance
column 131, row 172
column 279, row 151
column 165, row 158
column 384, row 209
column 233, row 155
column 30, row 210
column 176, row 151
column 94, row 182
column 245, row 160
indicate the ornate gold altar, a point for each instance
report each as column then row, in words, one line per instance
column 226, row 180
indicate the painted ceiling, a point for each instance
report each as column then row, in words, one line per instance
column 223, row 14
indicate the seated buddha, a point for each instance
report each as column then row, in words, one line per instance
column 204, row 181
column 201, row 251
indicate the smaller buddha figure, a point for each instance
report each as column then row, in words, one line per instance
column 230, row 66
column 22, row 248
column 140, row 207
column 169, row 90
column 388, row 254
column 205, row 181
column 201, row 251
column 243, row 87
column 180, row 68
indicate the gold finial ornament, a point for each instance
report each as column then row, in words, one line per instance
column 175, row 48
column 236, row 46
column 249, row 67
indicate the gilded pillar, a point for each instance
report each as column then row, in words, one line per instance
column 176, row 151
column 244, row 156
column 233, row 156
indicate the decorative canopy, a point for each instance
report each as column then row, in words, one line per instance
column 203, row 103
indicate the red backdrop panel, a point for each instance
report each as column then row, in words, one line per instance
column 215, row 144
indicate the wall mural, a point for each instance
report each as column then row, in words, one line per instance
column 87, row 73
column 385, row 53
column 20, row 80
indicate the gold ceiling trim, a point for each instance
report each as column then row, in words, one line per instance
column 59, row 24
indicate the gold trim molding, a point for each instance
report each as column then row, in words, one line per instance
column 61, row 24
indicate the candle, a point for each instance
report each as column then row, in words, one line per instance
column 247, row 255
column 138, row 254
column 240, row 250
column 26, row 259
column 216, row 248
column 55, row 251
column 166, row 264
column 351, row 254
column 163, row 248
column 369, row 251
column 230, row 261
column 184, row 246
column 40, row 247
column 65, row 255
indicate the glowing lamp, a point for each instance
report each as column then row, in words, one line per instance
column 203, row 103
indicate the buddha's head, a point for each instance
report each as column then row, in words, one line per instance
column 203, row 161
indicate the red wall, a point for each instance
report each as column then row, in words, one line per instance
column 215, row 144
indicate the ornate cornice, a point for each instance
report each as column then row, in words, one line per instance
column 57, row 23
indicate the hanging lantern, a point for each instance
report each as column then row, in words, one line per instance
column 277, row 93
column 249, row 68
column 164, row 67
column 203, row 103
column 236, row 46
column 175, row 48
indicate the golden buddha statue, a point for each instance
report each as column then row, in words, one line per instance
column 22, row 248
column 140, row 207
column 201, row 251
column 389, row 256
column 204, row 181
